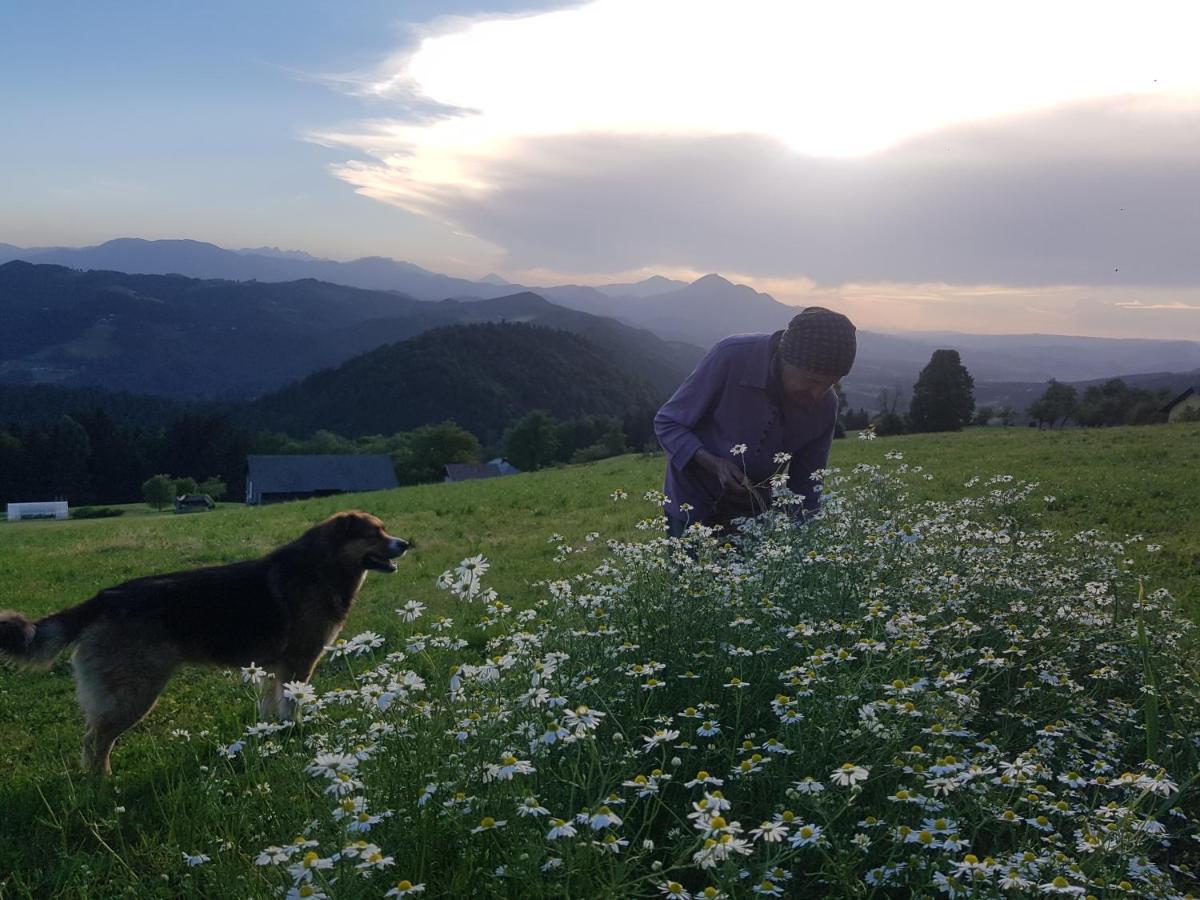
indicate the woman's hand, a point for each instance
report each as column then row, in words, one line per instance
column 728, row 473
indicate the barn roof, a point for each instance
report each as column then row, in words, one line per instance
column 1179, row 399
column 294, row 474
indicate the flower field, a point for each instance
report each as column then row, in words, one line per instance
column 907, row 696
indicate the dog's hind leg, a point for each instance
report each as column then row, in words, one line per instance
column 122, row 712
column 115, row 692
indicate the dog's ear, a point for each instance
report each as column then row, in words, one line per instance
column 346, row 526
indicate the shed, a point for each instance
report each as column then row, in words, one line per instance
column 1185, row 406
column 270, row 479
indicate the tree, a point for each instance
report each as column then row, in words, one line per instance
column 595, row 437
column 984, row 415
column 1057, row 404
column 185, row 485
column 423, row 451
column 213, row 486
column 1115, row 403
column 532, row 441
column 944, row 395
column 159, row 491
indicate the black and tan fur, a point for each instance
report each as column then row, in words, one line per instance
column 279, row 611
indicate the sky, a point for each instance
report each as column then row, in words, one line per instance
column 996, row 167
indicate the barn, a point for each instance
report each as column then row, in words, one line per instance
column 272, row 479
column 1185, row 407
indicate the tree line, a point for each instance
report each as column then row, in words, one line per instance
column 91, row 457
column 943, row 400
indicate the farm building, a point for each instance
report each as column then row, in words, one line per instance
column 51, row 509
column 271, row 479
column 1184, row 407
column 493, row 468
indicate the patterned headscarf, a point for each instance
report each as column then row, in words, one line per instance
column 819, row 341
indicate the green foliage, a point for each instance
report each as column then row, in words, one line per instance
column 1115, row 403
column 159, row 491
column 943, row 397
column 214, row 487
column 1057, row 404
column 984, row 415
column 424, row 451
column 595, row 437
column 96, row 512
column 532, row 442
column 485, row 375
column 185, row 485
column 890, row 424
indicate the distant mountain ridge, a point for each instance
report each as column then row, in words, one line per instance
column 209, row 339
column 653, row 303
column 698, row 314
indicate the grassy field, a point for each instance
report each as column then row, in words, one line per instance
column 59, row 834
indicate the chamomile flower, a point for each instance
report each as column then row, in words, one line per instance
column 487, row 823
column 849, row 774
column 405, row 888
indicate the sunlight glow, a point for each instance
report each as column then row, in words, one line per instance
column 845, row 79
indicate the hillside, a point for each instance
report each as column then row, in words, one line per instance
column 165, row 792
column 188, row 338
column 484, row 376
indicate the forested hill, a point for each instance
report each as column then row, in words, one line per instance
column 483, row 376
column 211, row 339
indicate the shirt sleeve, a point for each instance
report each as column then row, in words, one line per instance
column 812, row 456
column 675, row 422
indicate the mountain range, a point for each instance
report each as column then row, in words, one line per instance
column 325, row 321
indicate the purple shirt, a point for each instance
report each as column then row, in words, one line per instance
column 731, row 399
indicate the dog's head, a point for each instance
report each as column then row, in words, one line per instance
column 358, row 540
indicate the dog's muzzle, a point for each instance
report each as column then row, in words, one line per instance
column 395, row 549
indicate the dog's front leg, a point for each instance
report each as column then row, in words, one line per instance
column 270, row 698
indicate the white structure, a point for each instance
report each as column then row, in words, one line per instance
column 53, row 509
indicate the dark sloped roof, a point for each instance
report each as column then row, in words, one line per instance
column 297, row 474
column 467, row 471
column 1171, row 403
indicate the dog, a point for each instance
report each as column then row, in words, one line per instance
column 279, row 611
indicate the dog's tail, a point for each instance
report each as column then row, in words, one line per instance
column 30, row 643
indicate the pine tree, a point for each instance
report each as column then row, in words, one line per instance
column 944, row 395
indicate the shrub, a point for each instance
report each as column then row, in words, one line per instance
column 96, row 512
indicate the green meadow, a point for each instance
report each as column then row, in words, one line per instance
column 65, row 835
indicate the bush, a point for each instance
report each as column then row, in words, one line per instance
column 96, row 512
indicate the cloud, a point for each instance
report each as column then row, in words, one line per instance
column 926, row 142
column 955, row 207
